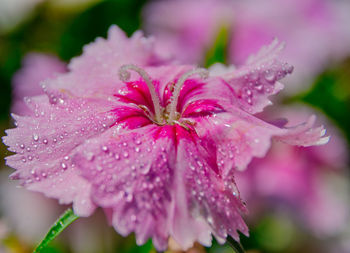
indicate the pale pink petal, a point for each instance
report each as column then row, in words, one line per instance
column 304, row 135
column 238, row 137
column 203, row 199
column 26, row 82
column 132, row 173
column 255, row 82
column 96, row 71
column 45, row 142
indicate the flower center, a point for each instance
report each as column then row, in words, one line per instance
column 162, row 116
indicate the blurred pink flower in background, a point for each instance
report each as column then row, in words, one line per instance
column 164, row 145
column 307, row 182
column 28, row 214
column 186, row 29
column 26, row 83
column 316, row 31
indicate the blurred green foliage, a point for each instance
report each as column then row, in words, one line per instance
column 331, row 94
column 218, row 53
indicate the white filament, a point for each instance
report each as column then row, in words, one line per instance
column 124, row 75
column 203, row 73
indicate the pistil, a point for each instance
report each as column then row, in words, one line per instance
column 203, row 73
column 124, row 75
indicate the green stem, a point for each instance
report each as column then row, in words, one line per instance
column 64, row 221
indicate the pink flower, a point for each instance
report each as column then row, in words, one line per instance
column 309, row 182
column 157, row 148
column 316, row 30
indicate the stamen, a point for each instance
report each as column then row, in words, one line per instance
column 124, row 75
column 203, row 73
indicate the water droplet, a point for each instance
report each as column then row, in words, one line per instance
column 210, row 220
column 128, row 197
column 104, row 148
column 259, row 87
column 35, row 137
column 270, row 76
column 89, row 156
column 249, row 92
column 200, row 164
column 137, row 149
column 63, row 166
column 116, row 156
column 22, row 146
column 125, row 144
column 268, row 90
column 45, row 141
column 126, row 154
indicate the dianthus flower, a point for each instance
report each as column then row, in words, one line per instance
column 153, row 143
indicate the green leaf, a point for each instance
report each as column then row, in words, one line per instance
column 218, row 52
column 64, row 221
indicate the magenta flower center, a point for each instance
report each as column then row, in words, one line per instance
column 167, row 115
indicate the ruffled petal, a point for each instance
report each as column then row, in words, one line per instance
column 96, row 71
column 44, row 144
column 239, row 137
column 258, row 79
column 132, row 173
column 204, row 203
column 304, row 134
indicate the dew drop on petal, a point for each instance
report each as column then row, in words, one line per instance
column 35, row 137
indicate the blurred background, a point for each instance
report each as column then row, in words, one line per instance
column 298, row 198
